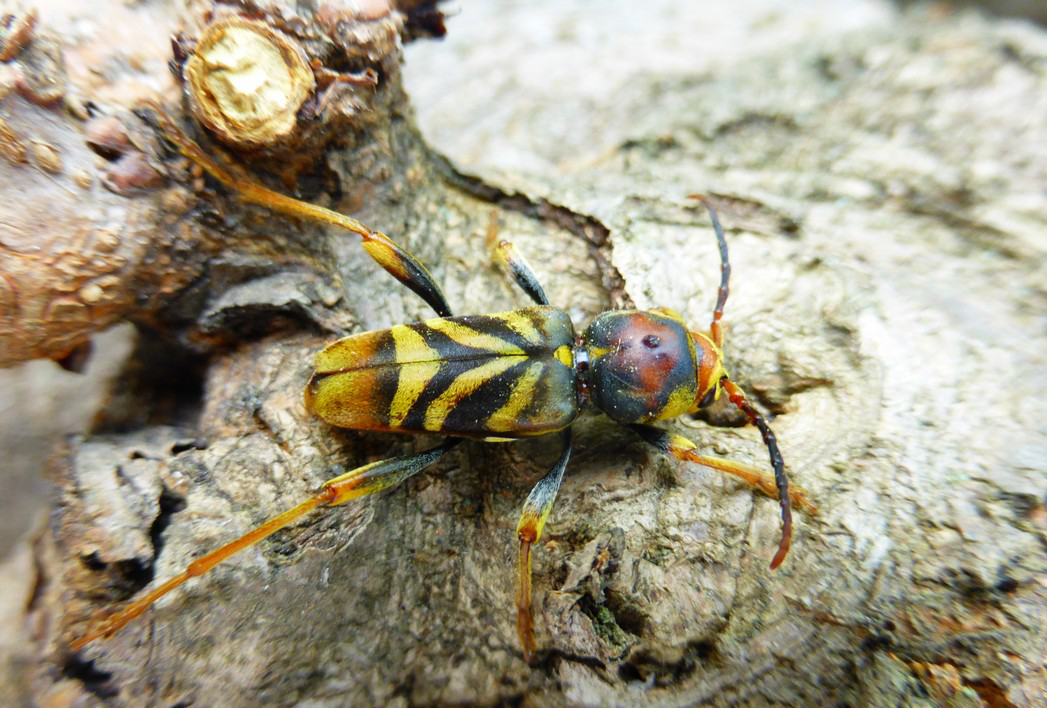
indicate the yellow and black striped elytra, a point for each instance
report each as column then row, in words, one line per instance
column 507, row 375
column 498, row 377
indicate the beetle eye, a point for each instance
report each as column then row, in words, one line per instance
column 708, row 398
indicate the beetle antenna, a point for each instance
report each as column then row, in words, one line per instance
column 725, row 270
column 781, row 482
column 738, row 398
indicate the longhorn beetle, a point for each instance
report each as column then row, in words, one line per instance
column 496, row 377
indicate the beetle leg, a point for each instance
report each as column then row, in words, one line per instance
column 683, row 449
column 521, row 271
column 397, row 261
column 353, row 484
column 536, row 510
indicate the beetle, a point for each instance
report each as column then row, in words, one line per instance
column 496, row 377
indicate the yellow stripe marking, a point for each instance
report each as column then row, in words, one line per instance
column 347, row 354
column 679, row 402
column 522, row 325
column 469, row 337
column 462, row 386
column 411, row 346
column 565, row 356
column 505, row 418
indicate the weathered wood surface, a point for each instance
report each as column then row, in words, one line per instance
column 882, row 177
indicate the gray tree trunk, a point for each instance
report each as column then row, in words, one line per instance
column 882, row 178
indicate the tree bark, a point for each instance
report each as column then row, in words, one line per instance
column 881, row 178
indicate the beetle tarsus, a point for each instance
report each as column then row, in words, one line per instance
column 524, row 619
